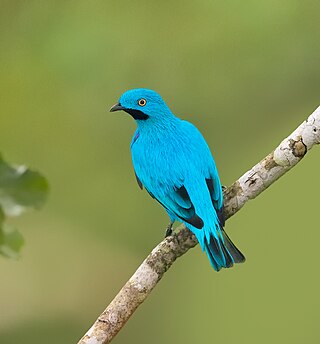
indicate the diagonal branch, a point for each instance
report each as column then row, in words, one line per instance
column 290, row 151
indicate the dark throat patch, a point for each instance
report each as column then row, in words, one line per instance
column 137, row 114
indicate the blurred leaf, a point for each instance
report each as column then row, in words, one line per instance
column 11, row 242
column 20, row 187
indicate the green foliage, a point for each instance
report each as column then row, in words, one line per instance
column 20, row 189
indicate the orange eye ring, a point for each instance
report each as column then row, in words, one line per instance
column 142, row 102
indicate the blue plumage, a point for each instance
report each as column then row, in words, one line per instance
column 173, row 162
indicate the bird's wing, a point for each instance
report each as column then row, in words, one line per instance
column 138, row 181
column 206, row 164
column 178, row 202
column 214, row 187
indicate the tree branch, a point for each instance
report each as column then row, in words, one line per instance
column 290, row 151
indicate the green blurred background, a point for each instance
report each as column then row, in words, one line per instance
column 246, row 73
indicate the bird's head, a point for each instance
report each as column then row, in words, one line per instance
column 143, row 104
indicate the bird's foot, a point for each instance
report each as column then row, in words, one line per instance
column 169, row 229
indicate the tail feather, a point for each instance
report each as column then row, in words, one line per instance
column 229, row 260
column 237, row 256
column 221, row 251
column 216, row 250
column 212, row 260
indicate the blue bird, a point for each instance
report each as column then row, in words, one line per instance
column 173, row 162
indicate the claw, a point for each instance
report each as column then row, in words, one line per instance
column 169, row 229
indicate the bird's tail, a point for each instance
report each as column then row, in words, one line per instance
column 221, row 251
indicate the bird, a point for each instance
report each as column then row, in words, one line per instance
column 173, row 162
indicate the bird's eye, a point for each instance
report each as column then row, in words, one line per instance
column 142, row 102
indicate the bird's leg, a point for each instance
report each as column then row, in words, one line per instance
column 169, row 229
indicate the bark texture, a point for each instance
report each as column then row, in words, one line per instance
column 290, row 151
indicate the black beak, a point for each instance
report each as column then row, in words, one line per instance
column 136, row 114
column 117, row 107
